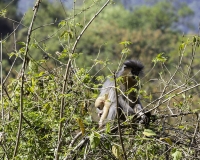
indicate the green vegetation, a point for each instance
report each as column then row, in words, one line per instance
column 49, row 84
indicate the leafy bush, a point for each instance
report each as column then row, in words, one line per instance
column 48, row 112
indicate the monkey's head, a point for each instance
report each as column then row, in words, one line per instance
column 132, row 67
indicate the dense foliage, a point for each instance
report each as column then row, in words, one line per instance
column 57, row 62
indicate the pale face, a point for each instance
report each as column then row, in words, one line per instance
column 127, row 71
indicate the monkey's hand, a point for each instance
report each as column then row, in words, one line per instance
column 144, row 119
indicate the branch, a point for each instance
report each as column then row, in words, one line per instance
column 84, row 141
column 85, row 28
column 195, row 131
column 187, row 89
column 175, row 115
column 22, row 77
column 118, row 120
column 74, row 139
column 66, row 76
column 1, row 70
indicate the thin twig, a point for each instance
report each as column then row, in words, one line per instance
column 80, row 145
column 66, row 76
column 9, row 98
column 2, row 107
column 171, row 78
column 174, row 115
column 9, row 72
column 173, row 96
column 19, row 23
column 7, row 5
column 195, row 132
column 74, row 139
column 70, row 18
column 22, row 77
column 118, row 119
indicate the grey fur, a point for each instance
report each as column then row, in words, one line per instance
column 130, row 70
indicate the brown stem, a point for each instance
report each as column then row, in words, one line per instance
column 22, row 77
column 66, row 76
column 118, row 120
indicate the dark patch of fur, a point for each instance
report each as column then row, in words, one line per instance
column 135, row 64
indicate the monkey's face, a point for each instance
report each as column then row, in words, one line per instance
column 132, row 68
column 130, row 72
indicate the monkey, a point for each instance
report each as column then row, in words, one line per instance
column 106, row 102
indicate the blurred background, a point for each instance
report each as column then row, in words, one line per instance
column 152, row 27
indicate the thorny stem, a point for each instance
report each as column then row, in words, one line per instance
column 118, row 120
column 66, row 76
column 36, row 7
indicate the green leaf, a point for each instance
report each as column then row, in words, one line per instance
column 149, row 133
column 181, row 47
column 21, row 43
column 107, row 128
column 3, row 13
column 126, row 51
column 33, row 67
column 183, row 95
column 159, row 58
column 22, row 50
column 63, row 34
column 194, row 39
column 177, row 155
column 31, row 89
column 67, row 34
column 181, row 127
column 62, row 120
column 167, row 139
column 116, row 150
column 12, row 54
column 81, row 125
column 41, row 74
column 94, row 140
column 62, row 24
column 79, row 25
column 125, row 43
column 196, row 110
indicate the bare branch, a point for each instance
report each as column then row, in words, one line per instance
column 22, row 77
column 118, row 119
column 66, row 76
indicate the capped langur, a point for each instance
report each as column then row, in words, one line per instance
column 129, row 103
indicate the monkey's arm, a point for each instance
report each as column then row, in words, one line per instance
column 112, row 113
column 125, row 106
column 137, row 109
